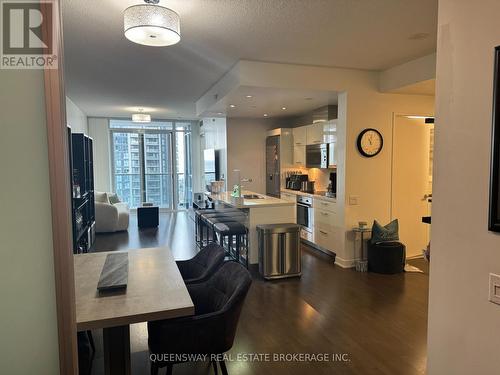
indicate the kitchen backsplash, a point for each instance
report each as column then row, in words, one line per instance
column 321, row 177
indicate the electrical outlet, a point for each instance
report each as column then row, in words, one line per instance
column 353, row 200
column 495, row 288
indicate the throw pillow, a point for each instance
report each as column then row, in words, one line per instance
column 113, row 198
column 387, row 233
column 101, row 197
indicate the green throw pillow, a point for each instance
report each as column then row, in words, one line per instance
column 388, row 233
column 113, row 198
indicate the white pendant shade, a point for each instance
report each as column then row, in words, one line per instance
column 152, row 25
column 141, row 117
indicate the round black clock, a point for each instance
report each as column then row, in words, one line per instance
column 370, row 142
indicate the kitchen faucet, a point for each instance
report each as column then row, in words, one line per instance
column 240, row 180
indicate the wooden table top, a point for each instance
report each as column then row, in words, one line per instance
column 155, row 290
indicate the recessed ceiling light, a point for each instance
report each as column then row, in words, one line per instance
column 249, row 96
column 220, row 113
column 232, row 105
column 283, row 108
column 265, row 115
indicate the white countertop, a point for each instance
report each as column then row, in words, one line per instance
column 315, row 196
column 266, row 201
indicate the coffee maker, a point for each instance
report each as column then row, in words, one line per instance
column 295, row 182
column 332, row 186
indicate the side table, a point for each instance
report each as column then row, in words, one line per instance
column 148, row 217
column 362, row 263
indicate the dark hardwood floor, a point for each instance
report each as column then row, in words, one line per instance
column 378, row 321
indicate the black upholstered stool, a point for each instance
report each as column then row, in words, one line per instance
column 386, row 257
column 209, row 219
column 229, row 230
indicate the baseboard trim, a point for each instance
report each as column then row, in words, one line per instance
column 345, row 263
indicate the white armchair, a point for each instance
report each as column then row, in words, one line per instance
column 110, row 217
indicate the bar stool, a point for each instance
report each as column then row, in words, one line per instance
column 228, row 230
column 211, row 219
column 200, row 225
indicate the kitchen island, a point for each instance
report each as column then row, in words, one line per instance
column 259, row 209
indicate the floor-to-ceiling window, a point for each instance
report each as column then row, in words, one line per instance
column 152, row 163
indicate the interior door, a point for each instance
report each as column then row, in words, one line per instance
column 412, row 181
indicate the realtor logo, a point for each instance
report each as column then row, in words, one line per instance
column 27, row 40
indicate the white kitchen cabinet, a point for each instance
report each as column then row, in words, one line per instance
column 314, row 134
column 326, row 239
column 299, row 156
column 288, row 197
column 299, row 136
column 323, row 204
column 326, row 226
column 330, row 131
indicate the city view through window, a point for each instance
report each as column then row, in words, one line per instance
column 152, row 163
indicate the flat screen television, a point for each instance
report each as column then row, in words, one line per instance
column 211, row 167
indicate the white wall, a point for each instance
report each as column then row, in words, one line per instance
column 463, row 326
column 28, row 322
column 213, row 135
column 76, row 118
column 99, row 131
column 246, row 151
column 418, row 70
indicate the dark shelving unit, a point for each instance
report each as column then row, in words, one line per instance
column 82, row 191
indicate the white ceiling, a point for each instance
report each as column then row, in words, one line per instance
column 106, row 75
column 271, row 101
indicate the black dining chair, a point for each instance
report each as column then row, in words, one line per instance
column 211, row 331
column 85, row 353
column 202, row 265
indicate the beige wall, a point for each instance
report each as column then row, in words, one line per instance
column 76, row 118
column 246, row 151
column 28, row 322
column 463, row 326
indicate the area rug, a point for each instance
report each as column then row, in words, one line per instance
column 410, row 268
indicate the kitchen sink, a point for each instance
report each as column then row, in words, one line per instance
column 252, row 196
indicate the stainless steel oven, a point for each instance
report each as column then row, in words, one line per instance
column 305, row 212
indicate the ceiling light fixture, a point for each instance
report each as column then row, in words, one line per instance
column 283, row 108
column 249, row 96
column 232, row 105
column 141, row 117
column 151, row 24
column 265, row 115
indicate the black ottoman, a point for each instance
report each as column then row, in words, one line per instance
column 148, row 217
column 386, row 257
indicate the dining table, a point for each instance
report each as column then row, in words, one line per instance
column 155, row 290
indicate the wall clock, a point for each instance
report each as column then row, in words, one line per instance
column 370, row 142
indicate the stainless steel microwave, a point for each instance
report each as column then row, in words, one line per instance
column 317, row 156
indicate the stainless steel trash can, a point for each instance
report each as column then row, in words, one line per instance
column 279, row 250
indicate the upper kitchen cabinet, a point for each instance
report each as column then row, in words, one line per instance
column 314, row 134
column 299, row 136
column 330, row 131
column 299, row 155
column 321, row 132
